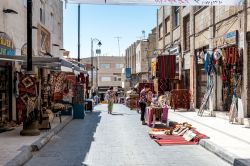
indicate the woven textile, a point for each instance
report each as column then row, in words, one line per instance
column 27, row 89
column 58, row 88
column 166, row 67
column 78, row 94
column 163, row 86
column 161, row 113
column 180, row 98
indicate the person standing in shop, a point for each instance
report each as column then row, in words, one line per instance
column 110, row 96
column 143, row 102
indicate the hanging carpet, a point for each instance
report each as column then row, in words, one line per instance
column 166, row 67
column 27, row 89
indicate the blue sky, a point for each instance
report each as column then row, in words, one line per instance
column 105, row 23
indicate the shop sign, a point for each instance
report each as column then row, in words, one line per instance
column 128, row 73
column 174, row 50
column 6, row 45
column 230, row 38
column 24, row 50
column 187, row 61
column 98, row 51
column 162, row 2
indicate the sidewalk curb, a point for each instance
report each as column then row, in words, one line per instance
column 219, row 151
column 37, row 145
column 26, row 153
column 223, row 153
column 23, row 156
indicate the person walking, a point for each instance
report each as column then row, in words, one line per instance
column 143, row 102
column 110, row 95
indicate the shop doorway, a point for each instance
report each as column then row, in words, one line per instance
column 201, row 84
column 5, row 93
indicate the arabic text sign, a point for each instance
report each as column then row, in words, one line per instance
column 163, row 2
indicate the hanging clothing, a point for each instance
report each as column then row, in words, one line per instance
column 206, row 65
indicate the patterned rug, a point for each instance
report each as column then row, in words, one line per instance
column 168, row 140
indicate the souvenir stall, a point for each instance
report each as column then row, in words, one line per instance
column 132, row 98
column 157, row 110
column 230, row 68
column 225, row 62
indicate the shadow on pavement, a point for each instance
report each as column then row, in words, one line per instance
column 241, row 162
column 117, row 114
column 88, row 129
column 71, row 145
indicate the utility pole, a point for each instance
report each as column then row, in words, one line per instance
column 29, row 35
column 118, row 40
column 79, row 31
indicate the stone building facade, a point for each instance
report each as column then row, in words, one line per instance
column 107, row 72
column 138, row 57
column 189, row 31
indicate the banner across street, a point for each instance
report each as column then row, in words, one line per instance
column 162, row 2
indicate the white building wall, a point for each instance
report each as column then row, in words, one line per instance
column 15, row 24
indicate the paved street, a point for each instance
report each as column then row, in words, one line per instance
column 113, row 140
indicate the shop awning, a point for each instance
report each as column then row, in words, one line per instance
column 162, row 2
column 53, row 63
column 9, row 58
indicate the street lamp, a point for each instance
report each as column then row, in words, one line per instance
column 99, row 43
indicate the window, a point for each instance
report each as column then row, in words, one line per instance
column 176, row 16
column 167, row 25
column 196, row 8
column 106, row 79
column 105, row 66
column 42, row 13
column 61, row 30
column 117, row 79
column 160, row 31
column 186, row 31
column 119, row 66
column 25, row 3
column 44, row 40
column 52, row 22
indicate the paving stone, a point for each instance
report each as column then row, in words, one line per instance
column 116, row 140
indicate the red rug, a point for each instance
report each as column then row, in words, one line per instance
column 167, row 140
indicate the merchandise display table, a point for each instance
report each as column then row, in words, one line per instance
column 156, row 113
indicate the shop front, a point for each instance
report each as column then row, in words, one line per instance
column 201, row 75
column 5, row 92
column 229, row 69
column 185, row 76
column 7, row 50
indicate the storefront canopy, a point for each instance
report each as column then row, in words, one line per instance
column 162, row 2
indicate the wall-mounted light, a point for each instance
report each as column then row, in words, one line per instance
column 62, row 49
column 56, row 45
column 49, row 54
column 34, row 27
column 99, row 43
column 10, row 11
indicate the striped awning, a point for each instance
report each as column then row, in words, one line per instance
column 162, row 2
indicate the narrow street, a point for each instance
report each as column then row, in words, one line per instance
column 114, row 140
